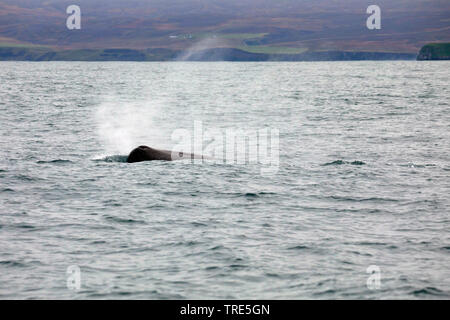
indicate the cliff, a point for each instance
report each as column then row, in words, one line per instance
column 435, row 51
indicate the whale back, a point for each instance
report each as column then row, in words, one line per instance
column 137, row 155
column 144, row 153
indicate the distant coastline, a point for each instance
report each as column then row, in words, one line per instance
column 21, row 53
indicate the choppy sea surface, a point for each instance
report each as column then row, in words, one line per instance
column 363, row 180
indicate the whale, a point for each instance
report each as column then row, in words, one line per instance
column 145, row 153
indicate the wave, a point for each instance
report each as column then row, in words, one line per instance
column 428, row 291
column 12, row 263
column 123, row 220
column 299, row 247
column 361, row 199
column 113, row 158
column 341, row 162
column 24, row 177
column 54, row 161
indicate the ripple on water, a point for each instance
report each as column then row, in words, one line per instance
column 299, row 247
column 342, row 162
column 430, row 291
column 23, row 177
column 12, row 264
column 24, row 226
column 124, row 220
column 251, row 194
column 56, row 161
column 372, row 199
column 198, row 224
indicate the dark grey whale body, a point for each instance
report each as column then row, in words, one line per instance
column 144, row 153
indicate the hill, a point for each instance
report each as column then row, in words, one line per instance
column 254, row 26
column 435, row 51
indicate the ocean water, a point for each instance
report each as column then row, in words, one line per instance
column 362, row 182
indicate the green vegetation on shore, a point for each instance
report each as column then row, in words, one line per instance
column 435, row 51
column 31, row 53
column 251, row 53
column 237, row 36
column 271, row 50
